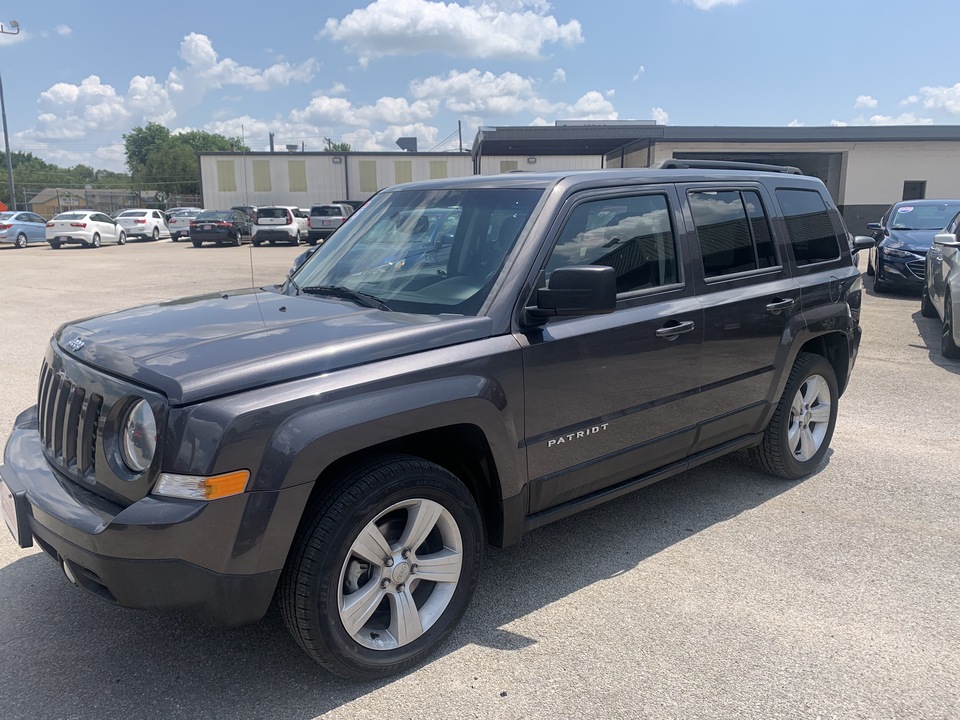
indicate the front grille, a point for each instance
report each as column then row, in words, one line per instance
column 918, row 268
column 69, row 418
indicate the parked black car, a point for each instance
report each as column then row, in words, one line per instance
column 904, row 236
column 348, row 441
column 230, row 227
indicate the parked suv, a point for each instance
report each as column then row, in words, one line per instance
column 349, row 440
column 279, row 223
column 325, row 219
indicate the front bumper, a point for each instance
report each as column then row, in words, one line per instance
column 219, row 559
column 906, row 273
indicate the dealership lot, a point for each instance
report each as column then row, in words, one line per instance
column 718, row 593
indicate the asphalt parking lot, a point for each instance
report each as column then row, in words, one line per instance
column 720, row 593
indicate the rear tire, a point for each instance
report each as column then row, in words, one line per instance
column 21, row 241
column 95, row 242
column 383, row 567
column 156, row 233
column 197, row 243
column 55, row 244
column 802, row 426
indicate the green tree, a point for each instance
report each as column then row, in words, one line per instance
column 337, row 147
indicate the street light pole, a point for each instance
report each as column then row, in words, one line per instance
column 6, row 136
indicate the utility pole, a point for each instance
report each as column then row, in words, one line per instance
column 271, row 142
column 6, row 135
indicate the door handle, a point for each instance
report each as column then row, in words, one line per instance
column 670, row 332
column 777, row 305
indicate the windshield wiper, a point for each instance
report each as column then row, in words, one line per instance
column 338, row 291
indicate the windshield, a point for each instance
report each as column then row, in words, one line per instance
column 924, row 217
column 423, row 251
column 214, row 215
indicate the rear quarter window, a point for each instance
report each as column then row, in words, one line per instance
column 812, row 234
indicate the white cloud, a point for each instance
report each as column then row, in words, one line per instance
column 639, row 73
column 904, row 119
column 412, row 27
column 795, row 123
column 63, row 30
column 865, row 101
column 559, row 75
column 709, row 4
column 941, row 98
column 659, row 115
column 483, row 93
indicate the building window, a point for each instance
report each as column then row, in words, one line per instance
column 261, row 176
column 438, row 169
column 226, row 176
column 297, row 172
column 403, row 171
column 811, row 232
column 914, row 189
column 508, row 165
column 368, row 176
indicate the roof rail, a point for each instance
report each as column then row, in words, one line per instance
column 688, row 164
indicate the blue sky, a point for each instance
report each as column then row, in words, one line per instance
column 78, row 76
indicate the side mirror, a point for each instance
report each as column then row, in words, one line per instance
column 863, row 242
column 946, row 240
column 576, row 291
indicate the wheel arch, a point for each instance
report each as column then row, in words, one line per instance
column 835, row 347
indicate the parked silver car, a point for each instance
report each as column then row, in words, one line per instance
column 21, row 228
column 940, row 295
column 145, row 224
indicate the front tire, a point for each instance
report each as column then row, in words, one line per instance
column 802, row 426
column 122, row 239
column 383, row 567
column 948, row 347
column 878, row 285
column 21, row 241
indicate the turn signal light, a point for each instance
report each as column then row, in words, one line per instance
column 197, row 487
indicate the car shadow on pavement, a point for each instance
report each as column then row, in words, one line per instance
column 67, row 654
column 930, row 331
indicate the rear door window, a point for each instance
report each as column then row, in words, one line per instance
column 812, row 233
column 733, row 231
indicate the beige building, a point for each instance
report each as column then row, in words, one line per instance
column 866, row 169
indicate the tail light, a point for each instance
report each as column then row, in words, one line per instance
column 49, row 224
column 79, row 225
column 139, row 222
column 5, row 226
column 289, row 218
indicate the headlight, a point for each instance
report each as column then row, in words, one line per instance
column 893, row 252
column 139, row 440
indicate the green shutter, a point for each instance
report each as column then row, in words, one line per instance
column 297, row 172
column 226, row 176
column 261, row 176
column 438, row 169
column 508, row 165
column 368, row 176
column 403, row 171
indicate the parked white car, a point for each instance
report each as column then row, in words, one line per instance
column 179, row 222
column 84, row 227
column 144, row 224
column 281, row 223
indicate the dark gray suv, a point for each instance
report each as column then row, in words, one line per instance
column 350, row 440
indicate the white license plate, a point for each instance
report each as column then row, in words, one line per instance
column 9, row 509
column 206, row 227
column 327, row 223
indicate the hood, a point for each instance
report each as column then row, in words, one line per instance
column 911, row 240
column 210, row 345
